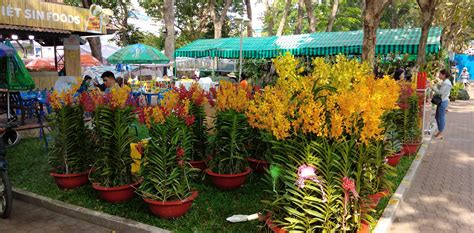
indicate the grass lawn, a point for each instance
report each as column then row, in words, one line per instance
column 402, row 168
column 29, row 170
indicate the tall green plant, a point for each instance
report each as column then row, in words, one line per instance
column 113, row 163
column 164, row 166
column 229, row 142
column 69, row 151
column 320, row 204
column 411, row 121
column 199, row 133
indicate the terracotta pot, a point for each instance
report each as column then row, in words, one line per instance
column 259, row 166
column 394, row 159
column 364, row 227
column 171, row 209
column 228, row 181
column 410, row 148
column 116, row 194
column 70, row 181
column 200, row 164
column 274, row 227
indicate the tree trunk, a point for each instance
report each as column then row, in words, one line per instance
column 269, row 16
column 371, row 14
column 217, row 19
column 299, row 19
column 168, row 14
column 248, row 5
column 96, row 47
column 311, row 17
column 427, row 8
column 332, row 16
column 283, row 18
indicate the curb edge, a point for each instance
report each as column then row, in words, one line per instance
column 119, row 224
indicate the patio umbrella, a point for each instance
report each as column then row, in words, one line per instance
column 88, row 60
column 41, row 64
column 138, row 54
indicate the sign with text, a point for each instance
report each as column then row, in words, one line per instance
column 33, row 13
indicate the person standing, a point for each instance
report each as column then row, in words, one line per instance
column 464, row 76
column 109, row 81
column 443, row 89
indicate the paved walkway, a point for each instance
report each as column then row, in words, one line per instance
column 27, row 218
column 440, row 198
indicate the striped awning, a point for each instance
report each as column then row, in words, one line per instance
column 316, row 44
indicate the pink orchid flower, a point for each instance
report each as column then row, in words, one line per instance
column 307, row 172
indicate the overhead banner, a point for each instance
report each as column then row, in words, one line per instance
column 33, row 13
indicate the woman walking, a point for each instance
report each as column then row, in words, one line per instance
column 443, row 89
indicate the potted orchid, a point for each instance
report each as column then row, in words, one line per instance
column 165, row 165
column 411, row 126
column 328, row 153
column 195, row 97
column 68, row 155
column 113, row 115
column 228, row 167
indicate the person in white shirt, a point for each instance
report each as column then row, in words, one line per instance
column 443, row 89
column 464, row 76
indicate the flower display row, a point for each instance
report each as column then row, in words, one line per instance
column 322, row 136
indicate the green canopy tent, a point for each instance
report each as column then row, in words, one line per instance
column 316, row 44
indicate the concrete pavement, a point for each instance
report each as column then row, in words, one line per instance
column 440, row 198
column 27, row 218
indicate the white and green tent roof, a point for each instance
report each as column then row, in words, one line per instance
column 316, row 44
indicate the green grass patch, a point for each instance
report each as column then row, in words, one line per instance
column 29, row 170
column 401, row 170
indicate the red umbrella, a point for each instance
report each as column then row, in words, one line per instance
column 88, row 60
column 41, row 64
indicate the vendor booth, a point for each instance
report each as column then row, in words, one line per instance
column 51, row 24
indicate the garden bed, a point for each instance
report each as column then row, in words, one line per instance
column 29, row 170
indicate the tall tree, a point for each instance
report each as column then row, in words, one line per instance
column 311, row 18
column 248, row 6
column 282, row 24
column 269, row 17
column 371, row 14
column 218, row 19
column 455, row 17
column 299, row 19
column 168, row 16
column 332, row 16
column 428, row 8
column 94, row 42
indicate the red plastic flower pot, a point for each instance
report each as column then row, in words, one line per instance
column 257, row 165
column 375, row 199
column 70, row 181
column 364, row 227
column 228, row 181
column 116, row 194
column 394, row 159
column 200, row 164
column 274, row 227
column 410, row 148
column 171, row 209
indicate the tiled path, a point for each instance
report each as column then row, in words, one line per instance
column 27, row 218
column 441, row 198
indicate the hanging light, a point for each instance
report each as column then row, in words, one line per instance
column 14, row 37
column 31, row 37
